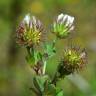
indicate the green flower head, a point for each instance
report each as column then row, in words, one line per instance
column 30, row 31
column 63, row 25
column 73, row 60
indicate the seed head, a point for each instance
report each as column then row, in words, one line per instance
column 73, row 60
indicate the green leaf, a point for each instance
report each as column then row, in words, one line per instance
column 50, row 90
column 39, row 82
column 59, row 92
column 30, row 57
column 36, row 85
column 30, row 60
column 50, row 49
column 39, row 56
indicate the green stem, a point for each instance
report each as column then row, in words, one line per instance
column 44, row 67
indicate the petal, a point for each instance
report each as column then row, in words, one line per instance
column 83, row 55
column 27, row 19
column 70, row 20
column 67, row 21
column 60, row 17
column 34, row 20
column 72, row 28
column 65, row 18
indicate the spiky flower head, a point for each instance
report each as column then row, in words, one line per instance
column 73, row 60
column 63, row 25
column 30, row 31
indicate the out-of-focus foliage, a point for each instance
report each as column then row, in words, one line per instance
column 16, row 76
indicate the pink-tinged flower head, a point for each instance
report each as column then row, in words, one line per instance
column 30, row 31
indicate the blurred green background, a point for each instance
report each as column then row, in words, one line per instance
column 16, row 75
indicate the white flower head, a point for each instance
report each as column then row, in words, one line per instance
column 65, row 19
column 63, row 25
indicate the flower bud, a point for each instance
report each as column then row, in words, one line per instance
column 63, row 25
column 30, row 31
column 73, row 60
